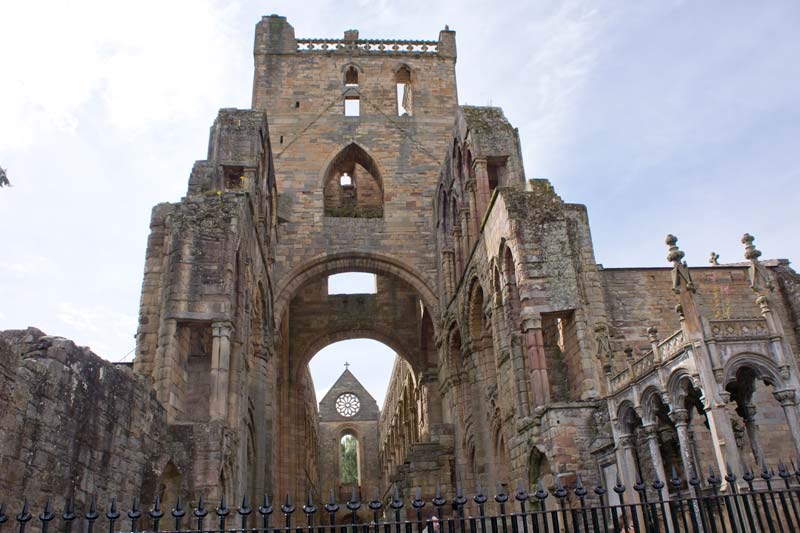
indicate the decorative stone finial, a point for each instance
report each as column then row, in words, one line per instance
column 680, row 272
column 675, row 253
column 750, row 251
column 714, row 259
column 763, row 303
column 628, row 354
column 679, row 310
column 652, row 334
column 759, row 277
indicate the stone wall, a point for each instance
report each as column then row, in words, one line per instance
column 73, row 423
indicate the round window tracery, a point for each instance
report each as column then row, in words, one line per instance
column 347, row 404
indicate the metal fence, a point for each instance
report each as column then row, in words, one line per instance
column 768, row 501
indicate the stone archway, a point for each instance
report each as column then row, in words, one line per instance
column 311, row 316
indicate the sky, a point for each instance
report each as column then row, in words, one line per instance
column 662, row 117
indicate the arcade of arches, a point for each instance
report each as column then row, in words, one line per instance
column 520, row 357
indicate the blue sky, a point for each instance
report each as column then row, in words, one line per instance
column 661, row 117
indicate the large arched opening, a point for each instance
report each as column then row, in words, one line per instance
column 316, row 312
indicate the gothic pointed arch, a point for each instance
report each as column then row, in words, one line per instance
column 352, row 185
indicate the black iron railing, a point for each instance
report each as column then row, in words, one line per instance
column 767, row 502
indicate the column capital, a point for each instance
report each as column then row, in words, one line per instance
column 748, row 412
column 786, row 397
column 222, row 328
column 626, row 441
column 680, row 417
column 532, row 322
column 650, row 431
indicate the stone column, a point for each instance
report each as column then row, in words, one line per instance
column 788, row 400
column 681, row 419
column 475, row 210
column 540, row 384
column 483, row 193
column 749, row 417
column 220, row 366
column 458, row 245
column 447, row 272
column 628, row 445
column 651, row 434
column 725, row 450
column 520, row 380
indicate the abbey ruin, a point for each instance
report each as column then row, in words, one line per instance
column 519, row 357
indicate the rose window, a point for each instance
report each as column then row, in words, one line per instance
column 347, row 404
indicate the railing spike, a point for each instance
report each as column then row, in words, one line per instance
column 288, row 507
column 748, row 474
column 783, row 472
column 418, row 503
column 375, row 504
column 112, row 513
column 331, row 506
column 522, row 494
column 674, row 480
column 619, row 488
column 69, row 512
column 24, row 515
column 222, row 510
column 200, row 511
column 396, row 502
column 541, row 493
column 639, row 485
column 265, row 508
column 580, row 490
column 244, row 508
column 309, row 508
column 47, row 513
column 438, row 491
column 178, row 511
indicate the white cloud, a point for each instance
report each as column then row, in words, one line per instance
column 140, row 63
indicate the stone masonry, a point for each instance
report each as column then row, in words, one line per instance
column 519, row 357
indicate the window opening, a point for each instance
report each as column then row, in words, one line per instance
column 403, row 81
column 234, row 177
column 297, row 105
column 281, row 141
column 352, row 106
column 345, row 180
column 349, row 460
column 353, row 283
column 492, row 171
column 351, row 77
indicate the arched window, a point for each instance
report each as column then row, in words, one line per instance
column 349, row 471
column 169, row 483
column 353, row 185
column 351, row 76
column 403, row 80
